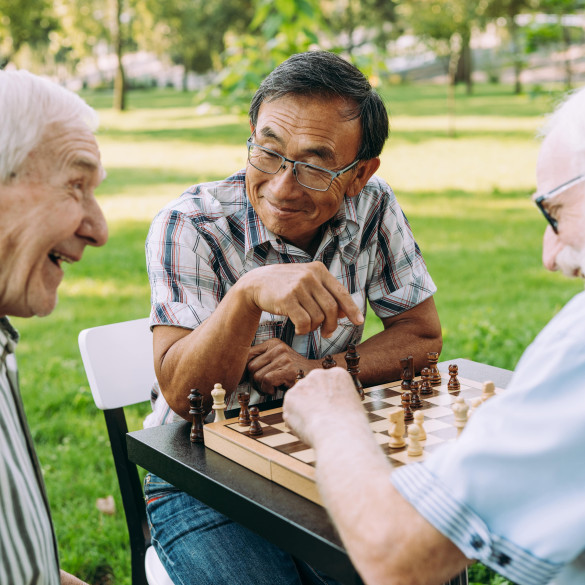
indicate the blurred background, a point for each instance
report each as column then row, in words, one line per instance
column 467, row 83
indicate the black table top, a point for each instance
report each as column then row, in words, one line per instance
column 279, row 515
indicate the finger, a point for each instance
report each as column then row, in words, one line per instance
column 344, row 301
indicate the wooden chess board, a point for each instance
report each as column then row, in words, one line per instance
column 278, row 455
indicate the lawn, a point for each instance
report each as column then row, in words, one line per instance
column 466, row 197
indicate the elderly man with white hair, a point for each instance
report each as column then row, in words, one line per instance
column 511, row 491
column 49, row 168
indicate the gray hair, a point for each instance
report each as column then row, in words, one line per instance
column 325, row 74
column 28, row 104
column 569, row 119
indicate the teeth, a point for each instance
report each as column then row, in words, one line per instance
column 59, row 256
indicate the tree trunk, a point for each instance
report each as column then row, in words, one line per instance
column 513, row 29
column 120, row 79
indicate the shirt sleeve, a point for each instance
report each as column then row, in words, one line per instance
column 510, row 491
column 399, row 279
column 185, row 289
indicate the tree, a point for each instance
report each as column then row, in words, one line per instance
column 24, row 23
column 509, row 10
column 192, row 32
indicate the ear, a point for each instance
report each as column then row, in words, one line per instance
column 251, row 128
column 365, row 170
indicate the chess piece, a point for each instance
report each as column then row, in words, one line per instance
column 419, row 419
column 407, row 375
column 255, row 427
column 406, row 406
column 219, row 405
column 425, row 387
column 475, row 404
column 244, row 400
column 328, row 362
column 488, row 391
column 433, row 358
column 397, row 429
column 196, row 411
column 415, row 402
column 453, row 384
column 460, row 410
column 352, row 359
column 300, row 375
column 414, row 447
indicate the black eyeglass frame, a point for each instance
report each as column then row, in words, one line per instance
column 540, row 199
column 333, row 174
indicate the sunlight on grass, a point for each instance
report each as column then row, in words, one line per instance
column 102, row 288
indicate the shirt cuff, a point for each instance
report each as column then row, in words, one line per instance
column 467, row 530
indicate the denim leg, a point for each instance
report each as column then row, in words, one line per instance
column 198, row 545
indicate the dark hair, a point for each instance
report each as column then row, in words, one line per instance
column 325, row 74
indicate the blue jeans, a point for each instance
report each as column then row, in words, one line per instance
column 199, row 546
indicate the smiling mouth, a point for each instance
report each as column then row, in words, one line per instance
column 57, row 258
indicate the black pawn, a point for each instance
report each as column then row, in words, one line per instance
column 415, row 401
column 425, row 388
column 453, row 384
column 328, row 362
column 244, row 400
column 406, row 374
column 408, row 416
column 196, row 411
column 255, row 427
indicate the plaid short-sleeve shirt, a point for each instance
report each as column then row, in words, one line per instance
column 200, row 244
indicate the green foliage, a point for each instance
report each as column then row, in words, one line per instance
column 480, row 237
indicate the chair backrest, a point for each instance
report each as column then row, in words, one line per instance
column 119, row 367
column 118, row 363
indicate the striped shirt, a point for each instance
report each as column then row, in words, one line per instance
column 28, row 549
column 200, row 244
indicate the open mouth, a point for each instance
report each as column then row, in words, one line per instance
column 57, row 258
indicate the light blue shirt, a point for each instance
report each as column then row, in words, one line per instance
column 510, row 492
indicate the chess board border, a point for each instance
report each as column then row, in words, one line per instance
column 272, row 464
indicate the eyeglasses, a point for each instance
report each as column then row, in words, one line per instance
column 310, row 176
column 540, row 199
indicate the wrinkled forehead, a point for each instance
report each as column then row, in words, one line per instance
column 557, row 162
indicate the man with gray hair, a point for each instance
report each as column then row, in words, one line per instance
column 266, row 272
column 49, row 168
column 511, row 491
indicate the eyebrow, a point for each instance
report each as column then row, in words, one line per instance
column 324, row 153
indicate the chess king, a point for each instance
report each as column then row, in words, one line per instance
column 510, row 491
column 262, row 274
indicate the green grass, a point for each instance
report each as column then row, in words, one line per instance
column 466, row 198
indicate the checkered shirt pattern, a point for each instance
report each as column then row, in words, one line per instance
column 200, row 245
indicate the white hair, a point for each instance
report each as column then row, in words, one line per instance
column 569, row 119
column 28, row 104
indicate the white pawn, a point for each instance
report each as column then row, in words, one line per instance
column 419, row 419
column 460, row 410
column 219, row 405
column 475, row 404
column 414, row 447
column 488, row 391
column 396, row 429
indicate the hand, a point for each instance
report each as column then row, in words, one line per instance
column 306, row 293
column 322, row 404
column 273, row 363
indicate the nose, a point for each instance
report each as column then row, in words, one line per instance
column 94, row 228
column 551, row 246
column 283, row 180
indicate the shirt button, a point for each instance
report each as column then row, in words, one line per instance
column 503, row 559
column 278, row 241
column 476, row 542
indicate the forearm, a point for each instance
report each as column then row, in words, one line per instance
column 215, row 352
column 378, row 527
column 67, row 579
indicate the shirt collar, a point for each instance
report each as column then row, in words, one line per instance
column 8, row 336
column 343, row 225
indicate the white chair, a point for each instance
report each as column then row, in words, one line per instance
column 119, row 367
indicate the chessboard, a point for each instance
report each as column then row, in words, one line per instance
column 279, row 456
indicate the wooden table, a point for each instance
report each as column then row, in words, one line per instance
column 290, row 521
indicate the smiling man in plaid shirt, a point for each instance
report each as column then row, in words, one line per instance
column 264, row 273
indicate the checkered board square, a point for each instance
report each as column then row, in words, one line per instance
column 279, row 456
